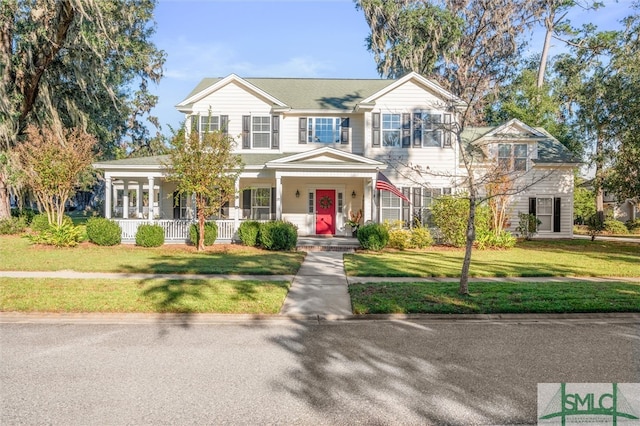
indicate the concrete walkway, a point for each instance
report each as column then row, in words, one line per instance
column 320, row 287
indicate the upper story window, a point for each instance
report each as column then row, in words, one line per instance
column 512, row 157
column 209, row 123
column 261, row 131
column 391, row 129
column 323, row 130
column 431, row 129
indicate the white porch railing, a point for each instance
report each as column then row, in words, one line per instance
column 175, row 230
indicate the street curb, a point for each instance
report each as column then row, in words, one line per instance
column 194, row 319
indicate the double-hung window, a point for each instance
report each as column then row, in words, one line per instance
column 391, row 128
column 209, row 123
column 544, row 213
column 261, row 203
column 512, row 157
column 323, row 129
column 261, row 131
column 391, row 206
column 431, row 126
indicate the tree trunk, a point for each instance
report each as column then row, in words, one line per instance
column 471, row 236
column 5, row 201
column 599, row 177
column 545, row 51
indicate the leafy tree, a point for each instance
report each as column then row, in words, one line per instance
column 54, row 166
column 204, row 165
column 482, row 42
column 70, row 63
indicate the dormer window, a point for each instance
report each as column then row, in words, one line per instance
column 512, row 157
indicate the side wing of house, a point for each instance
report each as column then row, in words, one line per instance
column 538, row 176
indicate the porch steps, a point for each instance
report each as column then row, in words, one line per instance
column 344, row 244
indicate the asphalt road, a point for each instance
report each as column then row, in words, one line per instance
column 302, row 372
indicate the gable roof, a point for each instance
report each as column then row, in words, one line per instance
column 313, row 93
column 550, row 150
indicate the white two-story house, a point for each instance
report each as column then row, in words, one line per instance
column 316, row 151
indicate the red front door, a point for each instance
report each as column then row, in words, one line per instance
column 325, row 211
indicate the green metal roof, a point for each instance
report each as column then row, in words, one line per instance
column 311, row 93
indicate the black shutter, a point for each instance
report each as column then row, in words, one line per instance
column 344, row 131
column 375, row 129
column 417, row 197
column 224, row 124
column 273, row 203
column 275, row 132
column 417, row 130
column 195, row 121
column 246, row 132
column 246, row 203
column 532, row 206
column 406, row 130
column 302, row 129
column 176, row 205
column 447, row 130
column 556, row 214
column 406, row 210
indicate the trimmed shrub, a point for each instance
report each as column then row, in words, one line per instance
column 65, row 235
column 527, row 225
column 613, row 226
column 278, row 235
column 150, row 236
column 633, row 226
column 13, row 225
column 421, row 238
column 210, row 233
column 248, row 232
column 103, row 232
column 399, row 239
column 373, row 236
column 450, row 215
column 595, row 225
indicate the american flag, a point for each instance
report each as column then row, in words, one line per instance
column 384, row 184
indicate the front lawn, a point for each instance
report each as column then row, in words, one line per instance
column 18, row 254
column 538, row 258
column 492, row 298
column 155, row 295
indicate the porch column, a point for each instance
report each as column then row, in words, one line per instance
column 369, row 213
column 125, row 200
column 278, row 197
column 108, row 196
column 139, row 200
column 152, row 198
column 236, row 205
column 114, row 195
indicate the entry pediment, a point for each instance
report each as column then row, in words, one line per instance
column 325, row 157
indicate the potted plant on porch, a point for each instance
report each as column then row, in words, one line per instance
column 354, row 222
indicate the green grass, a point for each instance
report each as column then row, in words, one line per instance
column 538, row 258
column 18, row 254
column 491, row 298
column 126, row 296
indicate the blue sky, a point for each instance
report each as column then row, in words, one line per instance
column 276, row 38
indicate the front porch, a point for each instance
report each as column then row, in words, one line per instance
column 177, row 232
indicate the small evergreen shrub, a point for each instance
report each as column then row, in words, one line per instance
column 278, row 235
column 65, row 235
column 421, row 238
column 210, row 233
column 248, row 232
column 150, row 236
column 450, row 215
column 373, row 236
column 13, row 225
column 103, row 232
column 399, row 239
column 617, row 227
column 527, row 225
column 633, row 226
column 595, row 225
